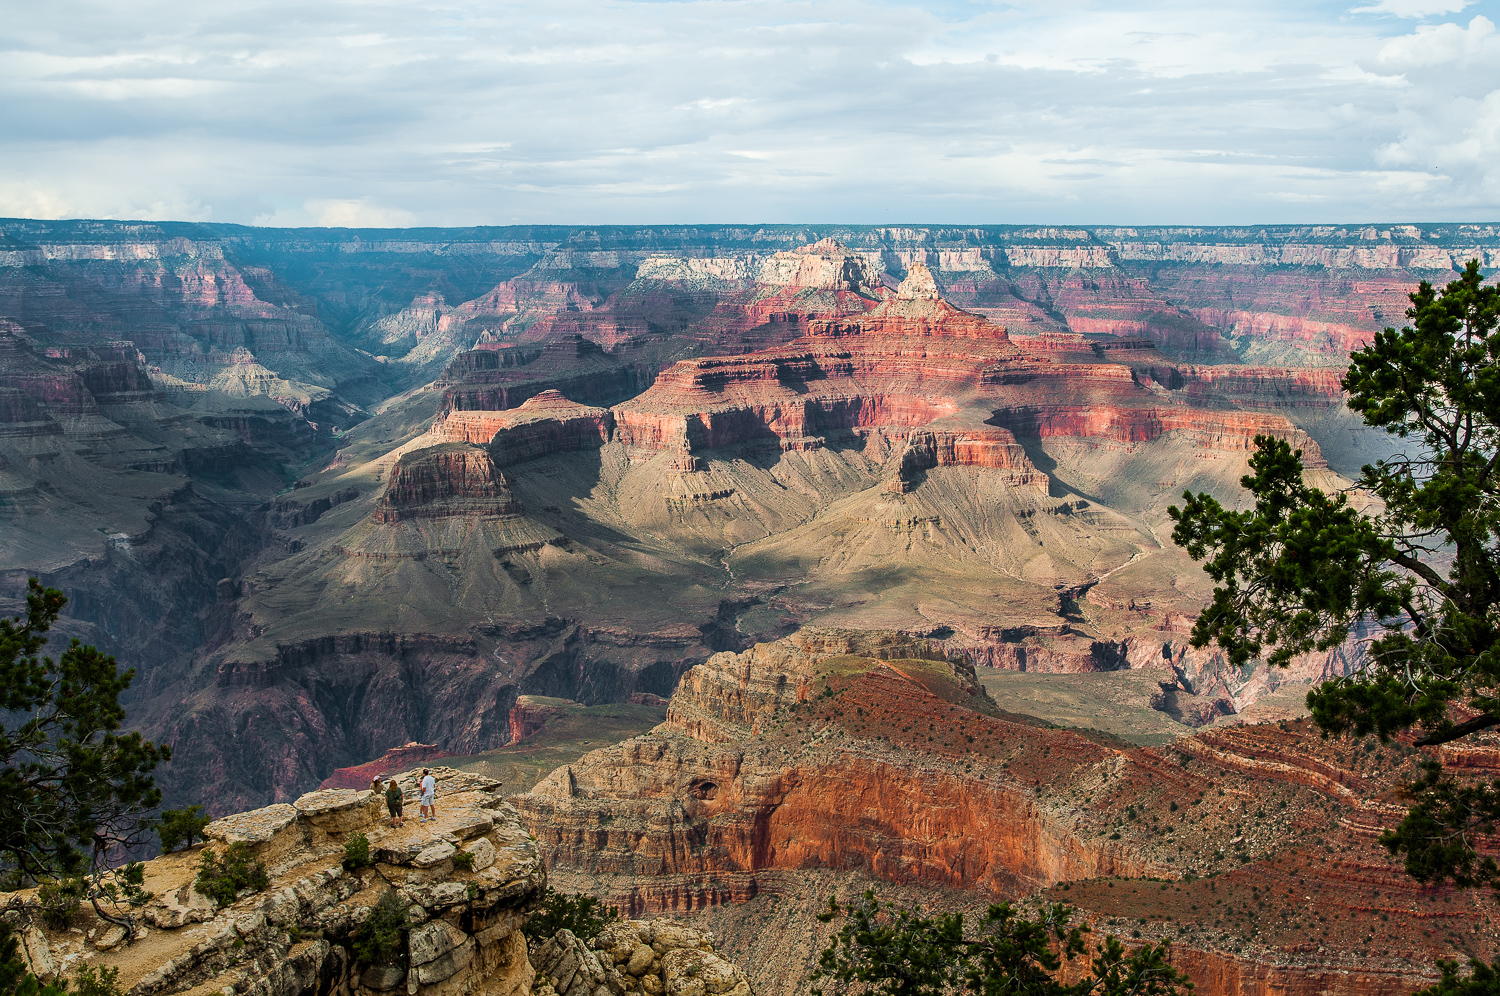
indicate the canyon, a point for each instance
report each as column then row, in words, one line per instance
column 333, row 492
column 368, row 487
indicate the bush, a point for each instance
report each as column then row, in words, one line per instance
column 357, row 852
column 222, row 878
column 178, row 827
column 381, row 937
column 464, row 860
column 60, row 899
column 89, row 981
column 584, row 915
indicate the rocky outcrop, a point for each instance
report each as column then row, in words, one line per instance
column 507, row 376
column 658, row 958
column 543, row 424
column 722, row 791
column 462, row 920
column 453, row 479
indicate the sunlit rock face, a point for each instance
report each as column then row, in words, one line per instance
column 836, row 761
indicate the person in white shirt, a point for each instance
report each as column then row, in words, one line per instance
column 428, row 808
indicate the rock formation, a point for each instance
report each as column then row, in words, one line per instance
column 832, row 762
column 659, row 958
column 394, row 760
column 296, row 936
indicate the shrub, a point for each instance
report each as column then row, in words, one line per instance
column 60, row 899
column 15, row 980
column 357, row 852
column 178, row 827
column 222, row 878
column 381, row 937
column 584, row 915
column 884, row 950
column 91, row 981
column 464, row 860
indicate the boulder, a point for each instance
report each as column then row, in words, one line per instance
column 339, row 811
column 434, row 855
column 689, row 972
column 257, row 826
column 447, row 965
column 483, row 851
column 430, row 942
column 382, row 977
column 572, row 967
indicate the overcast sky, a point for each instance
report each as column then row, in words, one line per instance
column 459, row 112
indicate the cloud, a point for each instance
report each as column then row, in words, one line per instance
column 1437, row 44
column 1413, row 8
column 362, row 113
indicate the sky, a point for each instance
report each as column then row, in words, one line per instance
column 469, row 112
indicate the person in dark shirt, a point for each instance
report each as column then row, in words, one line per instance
column 393, row 802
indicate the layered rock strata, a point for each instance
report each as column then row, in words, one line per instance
column 445, row 481
column 813, row 764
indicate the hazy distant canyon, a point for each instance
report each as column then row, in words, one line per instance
column 333, row 491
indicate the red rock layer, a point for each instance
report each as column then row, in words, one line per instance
column 545, row 423
column 785, row 759
column 528, row 716
column 452, row 479
column 396, row 759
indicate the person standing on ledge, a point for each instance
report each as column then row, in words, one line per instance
column 393, row 803
column 429, row 790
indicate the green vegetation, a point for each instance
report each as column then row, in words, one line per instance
column 380, row 939
column 75, row 787
column 464, row 860
column 584, row 915
column 178, row 827
column 91, row 981
column 889, row 951
column 357, row 852
column 222, row 878
column 1421, row 565
column 1482, row 980
column 60, row 898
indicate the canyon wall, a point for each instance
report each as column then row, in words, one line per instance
column 812, row 767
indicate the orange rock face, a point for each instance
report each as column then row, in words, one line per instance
column 1250, row 850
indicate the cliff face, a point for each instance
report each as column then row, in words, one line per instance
column 809, row 767
column 297, row 936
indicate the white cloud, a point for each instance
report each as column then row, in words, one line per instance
column 362, row 113
column 1437, row 44
column 1413, row 8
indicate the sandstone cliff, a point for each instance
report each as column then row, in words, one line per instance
column 813, row 766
